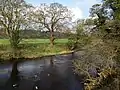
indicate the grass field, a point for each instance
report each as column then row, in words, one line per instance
column 32, row 48
column 42, row 41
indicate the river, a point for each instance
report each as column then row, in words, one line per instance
column 46, row 73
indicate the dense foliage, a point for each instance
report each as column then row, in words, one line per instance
column 100, row 62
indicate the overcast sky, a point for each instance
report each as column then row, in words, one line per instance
column 80, row 8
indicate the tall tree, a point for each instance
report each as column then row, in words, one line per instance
column 114, row 7
column 52, row 18
column 12, row 19
column 99, row 13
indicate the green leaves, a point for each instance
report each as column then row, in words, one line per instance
column 12, row 19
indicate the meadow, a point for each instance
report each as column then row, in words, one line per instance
column 34, row 41
column 32, row 48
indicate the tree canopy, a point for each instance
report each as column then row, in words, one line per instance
column 52, row 17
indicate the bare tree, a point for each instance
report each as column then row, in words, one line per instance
column 12, row 19
column 52, row 18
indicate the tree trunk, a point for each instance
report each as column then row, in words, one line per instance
column 52, row 38
column 14, row 48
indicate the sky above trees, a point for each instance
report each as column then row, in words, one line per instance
column 80, row 8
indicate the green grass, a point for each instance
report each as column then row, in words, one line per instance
column 4, row 41
column 42, row 41
column 32, row 48
column 37, row 50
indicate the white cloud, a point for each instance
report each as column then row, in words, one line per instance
column 85, row 5
column 77, row 12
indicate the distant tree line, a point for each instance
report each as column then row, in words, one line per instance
column 36, row 34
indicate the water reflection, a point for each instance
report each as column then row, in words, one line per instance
column 14, row 79
column 51, row 61
column 49, row 73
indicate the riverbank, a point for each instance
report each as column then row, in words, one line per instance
column 41, row 73
column 33, row 50
column 20, row 59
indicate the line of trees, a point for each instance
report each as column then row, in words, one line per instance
column 17, row 15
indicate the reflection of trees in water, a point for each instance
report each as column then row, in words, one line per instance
column 73, row 55
column 14, row 74
column 51, row 61
column 47, row 77
column 14, row 79
column 51, row 78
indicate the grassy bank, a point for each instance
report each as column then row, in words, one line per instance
column 34, row 41
column 32, row 48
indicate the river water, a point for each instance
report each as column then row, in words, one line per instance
column 46, row 73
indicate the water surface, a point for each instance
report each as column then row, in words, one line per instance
column 47, row 73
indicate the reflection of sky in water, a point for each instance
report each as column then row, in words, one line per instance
column 5, row 71
column 31, row 68
column 45, row 72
